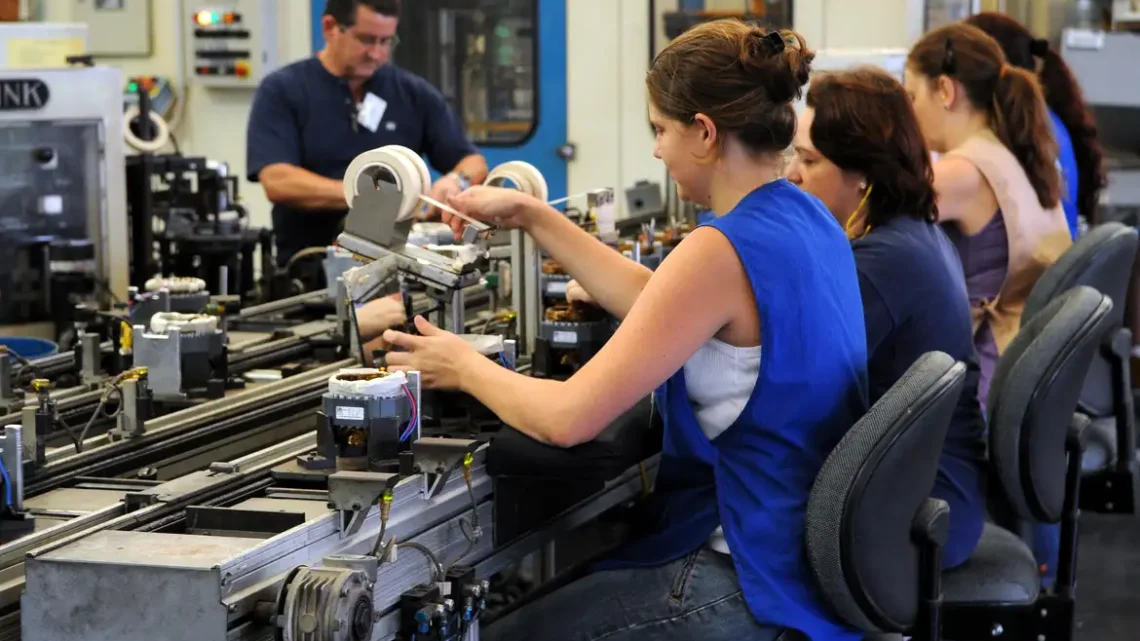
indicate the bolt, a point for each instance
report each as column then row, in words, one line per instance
column 376, row 617
column 997, row 630
column 232, row 608
column 338, row 624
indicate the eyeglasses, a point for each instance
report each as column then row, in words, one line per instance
column 386, row 42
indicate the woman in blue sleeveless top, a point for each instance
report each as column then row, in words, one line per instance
column 860, row 150
column 1080, row 157
column 752, row 329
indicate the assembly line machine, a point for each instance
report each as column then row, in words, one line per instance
column 241, row 474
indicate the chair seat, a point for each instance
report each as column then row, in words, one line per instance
column 1001, row 570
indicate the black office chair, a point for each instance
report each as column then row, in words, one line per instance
column 870, row 524
column 1035, row 466
column 1102, row 259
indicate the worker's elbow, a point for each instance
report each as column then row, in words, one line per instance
column 568, row 429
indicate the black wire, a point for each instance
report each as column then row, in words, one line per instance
column 174, row 143
column 356, row 330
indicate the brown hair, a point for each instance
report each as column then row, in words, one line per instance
column 1064, row 97
column 865, row 122
column 1010, row 96
column 742, row 77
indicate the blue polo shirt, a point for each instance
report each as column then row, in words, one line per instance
column 303, row 115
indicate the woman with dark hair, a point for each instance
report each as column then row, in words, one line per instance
column 752, row 333
column 859, row 149
column 1079, row 153
column 997, row 181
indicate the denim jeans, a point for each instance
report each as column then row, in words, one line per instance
column 696, row 597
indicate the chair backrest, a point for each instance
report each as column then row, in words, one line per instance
column 1033, row 397
column 1101, row 259
column 869, row 491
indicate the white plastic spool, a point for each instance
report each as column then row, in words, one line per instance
column 485, row 344
column 525, row 176
column 161, row 137
column 402, row 164
column 175, row 284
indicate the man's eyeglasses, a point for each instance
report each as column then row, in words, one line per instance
column 386, row 42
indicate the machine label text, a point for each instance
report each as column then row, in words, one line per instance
column 23, row 94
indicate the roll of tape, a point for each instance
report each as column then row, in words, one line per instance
column 401, row 164
column 525, row 176
column 420, row 165
column 161, row 137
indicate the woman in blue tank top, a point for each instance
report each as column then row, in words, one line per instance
column 751, row 331
column 860, row 150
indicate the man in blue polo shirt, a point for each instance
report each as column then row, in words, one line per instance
column 311, row 118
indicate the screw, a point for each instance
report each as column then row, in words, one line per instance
column 997, row 630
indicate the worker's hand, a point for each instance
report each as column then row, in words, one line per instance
column 506, row 208
column 442, row 191
column 575, row 294
column 439, row 356
column 379, row 315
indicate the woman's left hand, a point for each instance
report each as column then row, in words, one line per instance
column 439, row 356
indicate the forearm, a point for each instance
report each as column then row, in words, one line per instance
column 300, row 188
column 536, row 407
column 474, row 167
column 613, row 280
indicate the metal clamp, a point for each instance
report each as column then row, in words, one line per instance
column 436, row 458
column 354, row 493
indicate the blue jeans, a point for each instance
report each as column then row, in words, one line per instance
column 696, row 597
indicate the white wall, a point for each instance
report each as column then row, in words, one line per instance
column 608, row 54
column 214, row 120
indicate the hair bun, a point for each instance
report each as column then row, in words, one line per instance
column 779, row 60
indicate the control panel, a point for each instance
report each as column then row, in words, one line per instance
column 230, row 43
column 160, row 90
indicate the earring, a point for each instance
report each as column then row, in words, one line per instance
column 863, row 185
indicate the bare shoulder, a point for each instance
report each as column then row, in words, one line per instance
column 956, row 176
column 964, row 195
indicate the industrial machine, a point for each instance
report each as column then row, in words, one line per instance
column 64, row 219
column 328, row 534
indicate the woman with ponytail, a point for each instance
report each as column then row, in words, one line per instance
column 997, row 182
column 1079, row 154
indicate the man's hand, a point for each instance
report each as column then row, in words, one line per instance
column 443, row 190
column 380, row 315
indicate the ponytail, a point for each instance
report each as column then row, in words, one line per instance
column 1064, row 97
column 1021, row 122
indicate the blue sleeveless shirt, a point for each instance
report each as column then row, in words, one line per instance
column 754, row 478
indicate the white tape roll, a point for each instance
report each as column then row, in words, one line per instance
column 421, row 166
column 387, row 386
column 401, row 164
column 161, row 137
column 525, row 176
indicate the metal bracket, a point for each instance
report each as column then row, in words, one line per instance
column 354, row 493
column 368, row 565
column 437, row 457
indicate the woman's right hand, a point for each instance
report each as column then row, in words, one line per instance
column 506, row 208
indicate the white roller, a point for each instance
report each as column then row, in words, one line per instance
column 161, row 137
column 385, row 385
column 418, row 161
column 162, row 322
column 404, row 165
column 485, row 344
column 526, row 177
column 175, row 285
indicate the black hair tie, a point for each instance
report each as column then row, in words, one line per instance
column 949, row 59
column 1039, row 47
column 775, row 42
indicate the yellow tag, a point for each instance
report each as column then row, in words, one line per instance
column 42, row 53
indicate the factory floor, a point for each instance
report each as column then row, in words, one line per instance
column 1108, row 578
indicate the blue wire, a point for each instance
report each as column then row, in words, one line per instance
column 503, row 360
column 7, row 484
